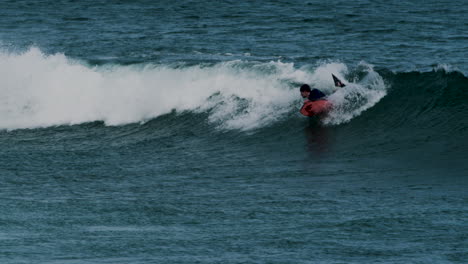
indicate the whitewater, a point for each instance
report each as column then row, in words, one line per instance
column 142, row 132
column 48, row 90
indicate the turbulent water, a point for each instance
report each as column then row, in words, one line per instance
column 169, row 132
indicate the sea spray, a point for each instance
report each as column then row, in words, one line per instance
column 48, row 90
column 351, row 100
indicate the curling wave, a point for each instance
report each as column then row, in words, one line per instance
column 48, row 90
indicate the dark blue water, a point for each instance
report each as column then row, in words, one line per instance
column 169, row 132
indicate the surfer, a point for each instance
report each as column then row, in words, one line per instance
column 310, row 95
column 315, row 94
column 315, row 102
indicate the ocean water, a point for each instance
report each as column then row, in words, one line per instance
column 169, row 132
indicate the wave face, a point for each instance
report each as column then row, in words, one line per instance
column 433, row 104
column 42, row 91
column 422, row 117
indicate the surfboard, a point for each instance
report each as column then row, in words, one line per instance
column 321, row 106
column 313, row 108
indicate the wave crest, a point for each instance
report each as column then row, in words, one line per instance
column 48, row 90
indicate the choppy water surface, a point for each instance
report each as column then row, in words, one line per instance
column 169, row 132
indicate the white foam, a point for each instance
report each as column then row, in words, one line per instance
column 321, row 76
column 40, row 91
column 446, row 67
column 47, row 90
column 351, row 100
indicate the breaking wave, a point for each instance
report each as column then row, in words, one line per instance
column 48, row 90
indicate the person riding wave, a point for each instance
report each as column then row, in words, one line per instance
column 311, row 95
column 315, row 102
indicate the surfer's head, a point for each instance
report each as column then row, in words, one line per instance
column 305, row 90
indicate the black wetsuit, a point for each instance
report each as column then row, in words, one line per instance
column 315, row 95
